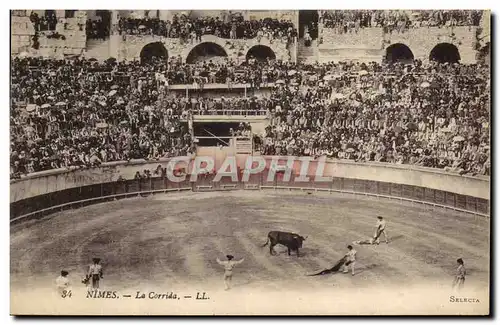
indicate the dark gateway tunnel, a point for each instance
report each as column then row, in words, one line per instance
column 308, row 18
column 211, row 129
column 261, row 53
column 445, row 52
column 153, row 50
column 399, row 53
column 204, row 52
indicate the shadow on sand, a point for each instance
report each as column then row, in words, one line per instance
column 303, row 252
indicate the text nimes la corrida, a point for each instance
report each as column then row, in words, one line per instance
column 97, row 294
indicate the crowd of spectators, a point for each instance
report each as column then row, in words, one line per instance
column 190, row 29
column 434, row 116
column 225, row 71
column 349, row 21
column 77, row 114
column 82, row 113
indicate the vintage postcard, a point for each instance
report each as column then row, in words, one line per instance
column 237, row 162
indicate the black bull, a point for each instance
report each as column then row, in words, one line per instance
column 292, row 241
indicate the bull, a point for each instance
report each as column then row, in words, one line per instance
column 291, row 240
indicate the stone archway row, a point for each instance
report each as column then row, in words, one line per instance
column 442, row 52
column 236, row 50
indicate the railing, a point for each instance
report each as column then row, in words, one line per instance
column 42, row 205
column 230, row 112
column 245, row 86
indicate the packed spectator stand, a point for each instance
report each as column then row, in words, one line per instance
column 186, row 28
column 224, row 71
column 349, row 21
column 433, row 116
column 76, row 114
column 191, row 29
column 82, row 112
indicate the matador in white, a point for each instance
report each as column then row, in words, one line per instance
column 228, row 269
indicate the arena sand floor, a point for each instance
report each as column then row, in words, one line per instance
column 170, row 242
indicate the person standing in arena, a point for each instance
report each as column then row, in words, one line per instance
column 459, row 280
column 381, row 229
column 350, row 260
column 228, row 269
column 95, row 272
column 62, row 283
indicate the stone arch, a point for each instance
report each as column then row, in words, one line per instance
column 261, row 53
column 154, row 50
column 205, row 51
column 445, row 52
column 399, row 52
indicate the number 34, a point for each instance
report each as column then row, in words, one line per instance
column 66, row 294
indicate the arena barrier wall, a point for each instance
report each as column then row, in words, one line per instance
column 45, row 192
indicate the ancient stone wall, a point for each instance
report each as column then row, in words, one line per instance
column 370, row 44
column 22, row 31
column 71, row 39
column 130, row 46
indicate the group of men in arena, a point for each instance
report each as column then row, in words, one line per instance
column 92, row 277
column 349, row 259
column 95, row 272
